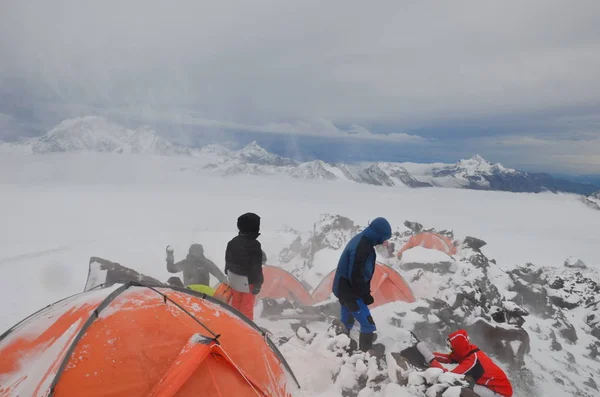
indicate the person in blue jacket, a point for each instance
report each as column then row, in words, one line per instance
column 352, row 282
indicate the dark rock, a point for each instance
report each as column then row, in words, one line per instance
column 594, row 349
column 480, row 261
column 566, row 330
column 555, row 345
column 273, row 307
column 414, row 226
column 474, row 243
column 557, row 283
column 529, row 273
column 591, row 383
column 440, row 267
column 496, row 340
column 446, row 233
column 562, row 303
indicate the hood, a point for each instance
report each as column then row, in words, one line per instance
column 249, row 223
column 378, row 231
column 461, row 346
column 196, row 251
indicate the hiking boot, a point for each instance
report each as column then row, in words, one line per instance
column 365, row 341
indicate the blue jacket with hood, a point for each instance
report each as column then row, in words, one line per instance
column 357, row 263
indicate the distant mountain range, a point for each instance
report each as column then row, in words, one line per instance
column 95, row 134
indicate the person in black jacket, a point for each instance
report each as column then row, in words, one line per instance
column 196, row 267
column 244, row 258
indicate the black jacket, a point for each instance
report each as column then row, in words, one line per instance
column 244, row 256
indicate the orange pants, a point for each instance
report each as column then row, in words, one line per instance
column 243, row 302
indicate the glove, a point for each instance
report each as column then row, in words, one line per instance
column 368, row 299
column 170, row 257
column 425, row 352
column 256, row 289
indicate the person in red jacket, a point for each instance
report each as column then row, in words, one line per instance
column 490, row 380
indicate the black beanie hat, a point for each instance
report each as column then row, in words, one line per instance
column 248, row 223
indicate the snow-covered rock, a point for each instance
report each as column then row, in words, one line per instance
column 374, row 175
column 541, row 325
column 315, row 253
column 396, row 173
column 593, row 200
column 575, row 262
column 313, row 170
column 253, row 153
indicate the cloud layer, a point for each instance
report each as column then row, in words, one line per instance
column 310, row 66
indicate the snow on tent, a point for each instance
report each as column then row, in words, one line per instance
column 386, row 286
column 140, row 340
column 281, row 284
column 431, row 241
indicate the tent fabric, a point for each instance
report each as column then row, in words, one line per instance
column 203, row 289
column 386, row 286
column 223, row 293
column 281, row 284
column 431, row 241
column 140, row 340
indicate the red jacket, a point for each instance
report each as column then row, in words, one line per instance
column 475, row 363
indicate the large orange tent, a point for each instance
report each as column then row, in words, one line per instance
column 386, row 286
column 140, row 340
column 431, row 241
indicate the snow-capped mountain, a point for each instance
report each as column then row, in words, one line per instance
column 390, row 174
column 478, row 173
column 474, row 172
column 255, row 154
column 95, row 134
column 314, row 170
column 540, row 324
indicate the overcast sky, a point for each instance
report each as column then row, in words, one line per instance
column 517, row 81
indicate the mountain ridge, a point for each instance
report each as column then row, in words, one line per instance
column 96, row 134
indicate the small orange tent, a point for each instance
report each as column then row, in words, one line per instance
column 281, row 284
column 278, row 284
column 386, row 286
column 431, row 241
column 140, row 340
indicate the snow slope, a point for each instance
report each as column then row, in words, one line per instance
column 60, row 209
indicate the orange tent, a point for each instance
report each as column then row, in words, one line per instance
column 281, row 284
column 431, row 241
column 386, row 286
column 278, row 284
column 140, row 340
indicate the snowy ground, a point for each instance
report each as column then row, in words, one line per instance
column 56, row 211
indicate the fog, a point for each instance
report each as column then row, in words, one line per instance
column 267, row 60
